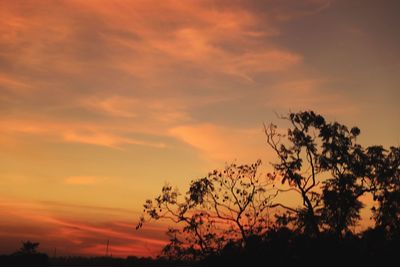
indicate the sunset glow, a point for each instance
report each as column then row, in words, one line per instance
column 103, row 102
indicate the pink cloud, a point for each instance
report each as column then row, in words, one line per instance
column 37, row 222
column 223, row 144
column 309, row 94
column 140, row 67
column 74, row 132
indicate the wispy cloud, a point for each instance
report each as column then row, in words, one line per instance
column 309, row 94
column 74, row 236
column 223, row 144
column 74, row 132
column 168, row 88
column 129, row 75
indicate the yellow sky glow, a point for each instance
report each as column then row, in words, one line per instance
column 103, row 102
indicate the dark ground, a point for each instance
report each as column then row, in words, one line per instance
column 281, row 249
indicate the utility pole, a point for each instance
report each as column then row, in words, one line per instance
column 108, row 243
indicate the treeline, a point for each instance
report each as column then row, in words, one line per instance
column 29, row 256
column 240, row 214
column 285, row 247
column 279, row 247
column 130, row 261
column 42, row 260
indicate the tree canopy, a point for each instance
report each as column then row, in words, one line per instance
column 320, row 161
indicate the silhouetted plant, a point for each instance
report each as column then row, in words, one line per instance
column 29, row 247
column 26, row 256
column 226, row 206
column 225, row 217
column 344, row 160
column 384, row 168
column 297, row 153
column 327, row 167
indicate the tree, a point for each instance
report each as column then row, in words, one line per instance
column 228, row 212
column 299, row 150
column 29, row 247
column 226, row 206
column 327, row 167
column 345, row 161
column 384, row 173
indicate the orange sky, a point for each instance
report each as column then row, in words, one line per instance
column 102, row 102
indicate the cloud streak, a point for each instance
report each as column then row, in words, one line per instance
column 112, row 65
column 222, row 143
column 150, row 65
column 75, row 237
column 147, row 91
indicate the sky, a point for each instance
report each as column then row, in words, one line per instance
column 103, row 102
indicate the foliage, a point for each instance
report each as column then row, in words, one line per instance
column 229, row 211
column 384, row 168
column 327, row 166
column 26, row 256
column 225, row 206
column 29, row 247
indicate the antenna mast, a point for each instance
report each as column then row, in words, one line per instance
column 108, row 243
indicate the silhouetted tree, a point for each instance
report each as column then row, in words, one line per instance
column 384, row 172
column 27, row 256
column 29, row 247
column 297, row 153
column 225, row 217
column 327, row 167
column 344, row 160
column 226, row 206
